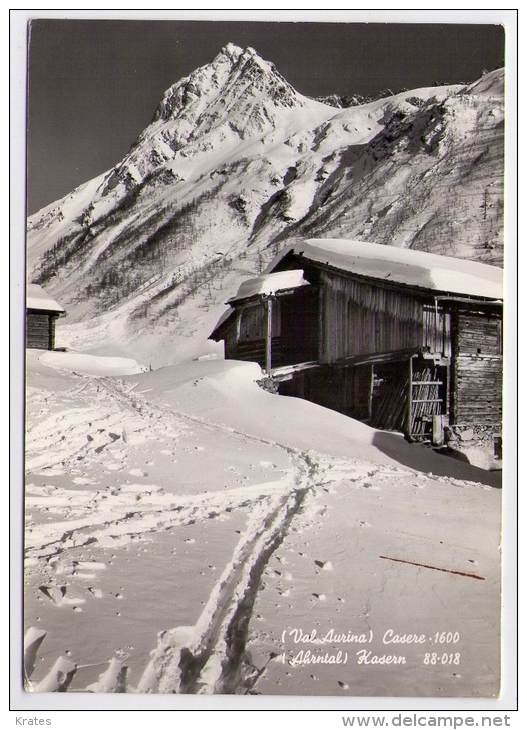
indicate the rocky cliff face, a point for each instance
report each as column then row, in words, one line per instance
column 234, row 164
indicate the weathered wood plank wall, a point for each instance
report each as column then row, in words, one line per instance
column 327, row 386
column 39, row 330
column 479, row 389
column 478, row 333
column 477, row 369
column 360, row 318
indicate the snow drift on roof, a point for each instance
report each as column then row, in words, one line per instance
column 402, row 265
column 37, row 298
column 269, row 284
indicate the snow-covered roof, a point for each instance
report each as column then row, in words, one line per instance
column 402, row 265
column 224, row 317
column 271, row 283
column 37, row 298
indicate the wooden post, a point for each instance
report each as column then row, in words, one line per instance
column 410, row 399
column 52, row 320
column 238, row 324
column 437, row 430
column 269, row 336
column 370, row 396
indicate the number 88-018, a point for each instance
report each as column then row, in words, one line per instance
column 434, row 658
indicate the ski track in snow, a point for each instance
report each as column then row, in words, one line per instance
column 102, row 430
column 65, row 439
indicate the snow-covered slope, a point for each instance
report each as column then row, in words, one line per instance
column 234, row 165
column 183, row 514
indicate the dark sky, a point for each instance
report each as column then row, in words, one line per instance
column 94, row 85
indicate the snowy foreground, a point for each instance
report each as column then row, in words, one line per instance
column 214, row 538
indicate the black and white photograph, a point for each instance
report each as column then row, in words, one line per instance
column 264, row 448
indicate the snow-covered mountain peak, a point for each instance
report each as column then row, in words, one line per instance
column 237, row 97
column 231, row 50
column 236, row 73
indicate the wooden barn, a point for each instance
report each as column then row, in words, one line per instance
column 41, row 313
column 401, row 339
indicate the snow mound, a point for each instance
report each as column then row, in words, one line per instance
column 91, row 364
column 226, row 392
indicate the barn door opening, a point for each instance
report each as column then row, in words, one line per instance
column 406, row 396
column 389, row 396
column 299, row 328
column 428, row 398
